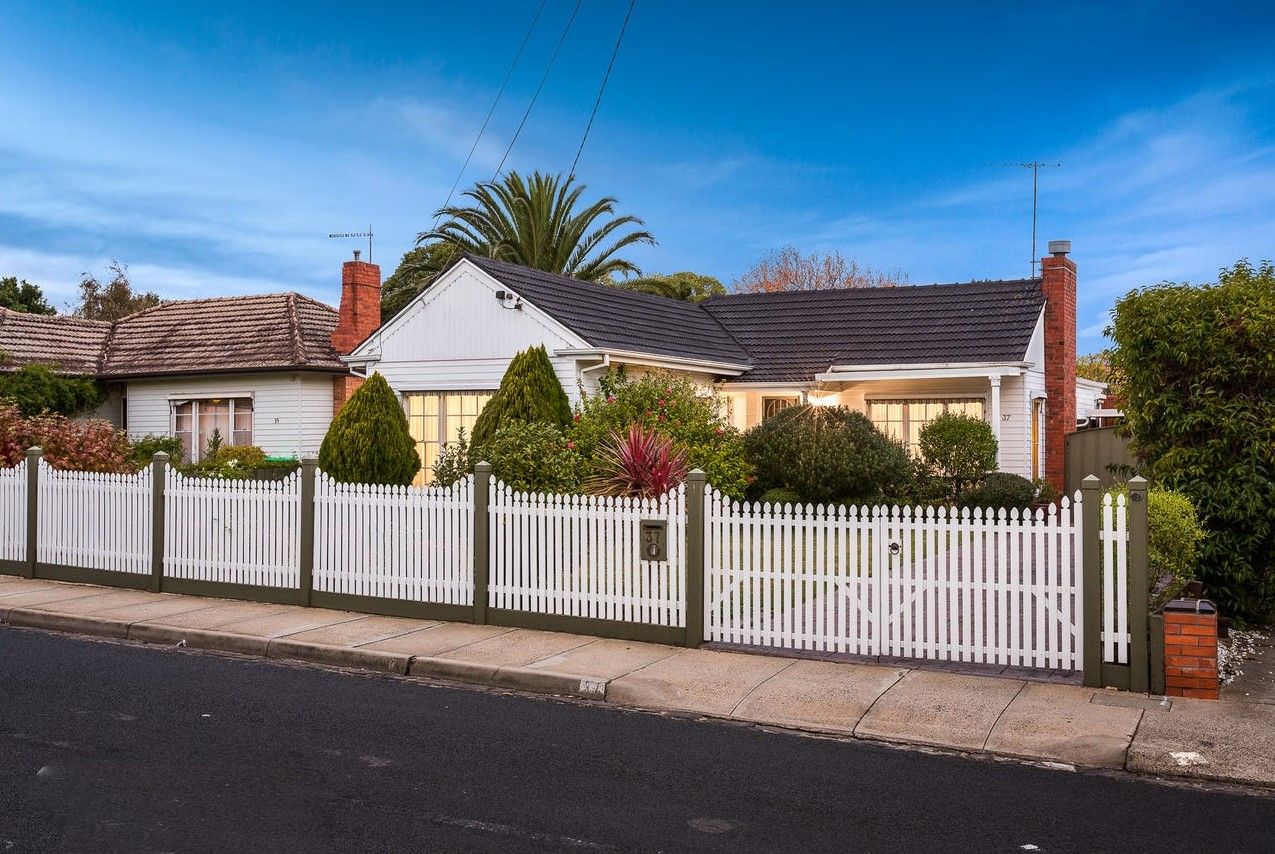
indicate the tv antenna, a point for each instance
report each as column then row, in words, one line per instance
column 367, row 234
column 1035, row 166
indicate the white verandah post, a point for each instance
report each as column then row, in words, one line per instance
column 995, row 417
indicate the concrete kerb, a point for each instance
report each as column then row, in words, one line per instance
column 78, row 623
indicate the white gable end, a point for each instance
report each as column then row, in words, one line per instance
column 456, row 336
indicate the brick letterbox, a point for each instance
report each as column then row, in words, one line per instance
column 1190, row 649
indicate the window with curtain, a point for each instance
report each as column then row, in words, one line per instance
column 903, row 419
column 195, row 420
column 436, row 419
column 771, row 406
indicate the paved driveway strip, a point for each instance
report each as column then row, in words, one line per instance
column 965, row 712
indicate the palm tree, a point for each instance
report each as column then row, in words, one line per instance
column 534, row 223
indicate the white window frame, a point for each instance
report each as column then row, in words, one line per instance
column 196, row 453
column 905, row 399
column 425, row 476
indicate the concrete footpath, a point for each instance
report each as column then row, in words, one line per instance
column 1224, row 741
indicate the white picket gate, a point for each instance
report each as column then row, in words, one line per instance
column 13, row 509
column 578, row 555
column 238, row 531
column 967, row 586
column 1113, row 539
column 395, row 542
column 94, row 520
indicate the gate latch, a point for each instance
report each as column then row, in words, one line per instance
column 653, row 539
column 895, row 548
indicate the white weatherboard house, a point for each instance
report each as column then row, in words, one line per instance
column 260, row 370
column 1004, row 351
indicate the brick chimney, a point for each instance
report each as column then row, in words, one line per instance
column 360, row 304
column 360, row 316
column 1058, row 281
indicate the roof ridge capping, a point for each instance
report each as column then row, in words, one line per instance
column 824, row 293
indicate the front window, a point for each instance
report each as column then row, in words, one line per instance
column 772, row 406
column 902, row 420
column 195, row 422
column 436, row 419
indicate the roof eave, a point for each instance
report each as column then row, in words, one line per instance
column 920, row 371
column 657, row 359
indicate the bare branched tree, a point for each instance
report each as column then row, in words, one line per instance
column 788, row 269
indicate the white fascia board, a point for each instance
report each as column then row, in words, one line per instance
column 762, row 386
column 864, row 373
column 655, row 360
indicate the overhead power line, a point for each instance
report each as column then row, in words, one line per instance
column 543, row 78
column 601, row 89
column 508, row 75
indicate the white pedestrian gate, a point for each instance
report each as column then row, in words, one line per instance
column 989, row 587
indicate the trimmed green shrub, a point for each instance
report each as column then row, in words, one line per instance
column 369, row 441
column 1001, row 490
column 674, row 407
column 533, row 457
column 452, row 462
column 1173, row 539
column 36, row 389
column 826, row 455
column 145, row 448
column 960, row 449
column 1199, row 384
column 529, row 391
column 780, row 496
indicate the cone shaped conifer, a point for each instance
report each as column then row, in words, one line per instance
column 368, row 441
column 528, row 392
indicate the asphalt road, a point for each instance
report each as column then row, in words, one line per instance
column 116, row 747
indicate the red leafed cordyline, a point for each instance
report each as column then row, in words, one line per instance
column 640, row 463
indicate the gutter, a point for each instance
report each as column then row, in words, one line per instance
column 655, row 360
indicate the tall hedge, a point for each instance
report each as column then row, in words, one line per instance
column 35, row 389
column 368, row 441
column 529, row 392
column 1199, row 369
column 827, row 454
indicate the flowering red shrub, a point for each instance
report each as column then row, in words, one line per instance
column 642, row 462
column 89, row 445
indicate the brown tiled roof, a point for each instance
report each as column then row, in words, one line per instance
column 66, row 344
column 215, row 335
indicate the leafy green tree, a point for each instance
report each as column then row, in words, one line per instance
column 21, row 295
column 686, row 286
column 413, row 274
column 114, row 300
column 960, row 449
column 1199, row 387
column 369, row 441
column 529, row 391
column 35, row 389
column 535, row 222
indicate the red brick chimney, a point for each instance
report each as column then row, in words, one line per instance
column 360, row 316
column 1058, row 281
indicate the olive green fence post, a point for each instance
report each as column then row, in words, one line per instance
column 1139, row 671
column 306, row 567
column 482, row 539
column 33, row 509
column 159, row 472
column 695, row 484
column 1091, row 580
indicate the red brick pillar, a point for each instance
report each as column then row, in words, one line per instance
column 1190, row 649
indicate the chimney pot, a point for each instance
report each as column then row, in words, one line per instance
column 1059, row 247
column 357, row 251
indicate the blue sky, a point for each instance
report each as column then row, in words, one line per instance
column 212, row 147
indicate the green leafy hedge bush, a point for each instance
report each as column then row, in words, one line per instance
column 673, row 406
column 1173, row 538
column 145, row 448
column 959, row 448
column 369, row 441
column 1001, row 490
column 826, row 455
column 1199, row 383
column 35, row 389
column 532, row 457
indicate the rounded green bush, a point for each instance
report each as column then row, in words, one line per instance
column 960, row 449
column 1001, row 490
column 531, row 457
column 369, row 441
column 779, row 496
column 825, row 455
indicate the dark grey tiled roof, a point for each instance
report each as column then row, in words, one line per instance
column 617, row 319
column 217, row 335
column 792, row 336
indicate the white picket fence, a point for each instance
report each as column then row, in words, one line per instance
column 13, row 510
column 967, row 586
column 395, row 542
column 238, row 531
column 579, row 556
column 1113, row 539
column 94, row 520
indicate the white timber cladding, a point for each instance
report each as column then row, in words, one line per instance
column 291, row 411
column 457, row 336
